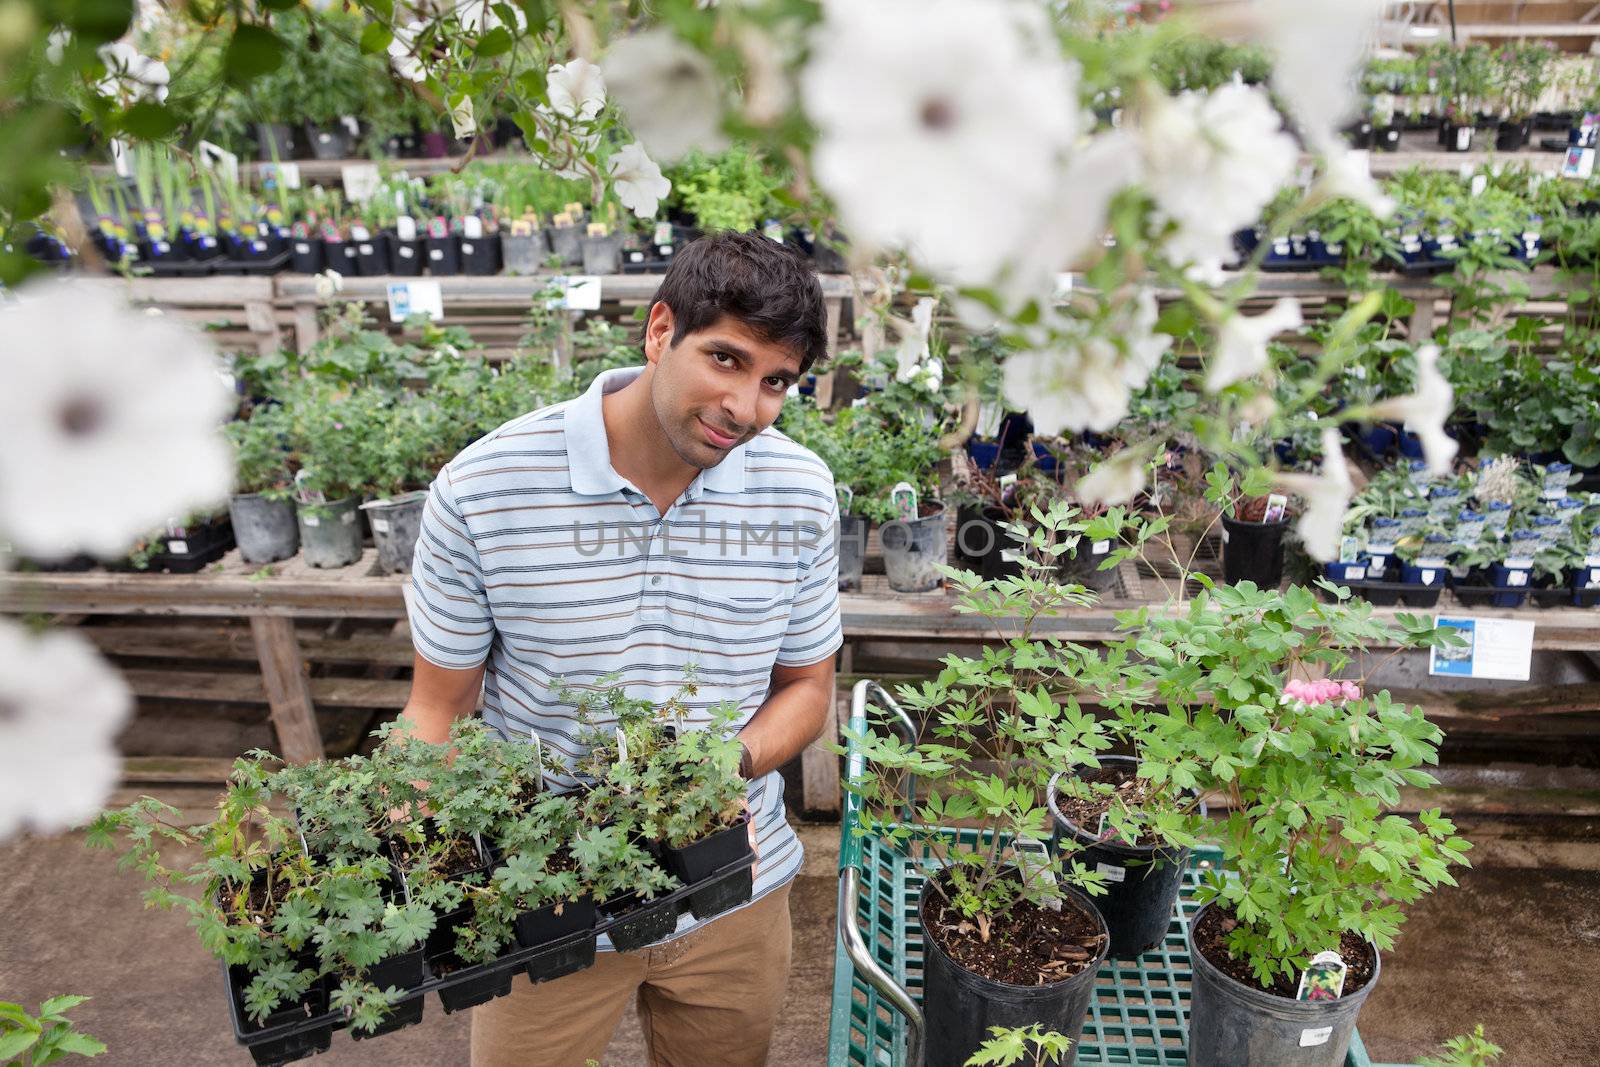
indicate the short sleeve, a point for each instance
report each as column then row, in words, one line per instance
column 451, row 625
column 815, row 631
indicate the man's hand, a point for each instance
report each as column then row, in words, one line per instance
column 750, row 830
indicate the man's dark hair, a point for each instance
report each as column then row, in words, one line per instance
column 763, row 284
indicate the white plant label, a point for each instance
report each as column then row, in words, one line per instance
column 1111, row 872
column 381, row 525
column 311, row 520
column 1034, row 858
column 177, row 548
column 1318, row 1035
column 348, row 517
column 622, row 747
column 1100, row 548
column 361, row 180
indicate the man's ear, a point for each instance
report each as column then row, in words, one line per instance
column 658, row 332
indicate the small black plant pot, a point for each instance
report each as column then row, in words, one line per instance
column 444, row 255
column 983, row 545
column 1252, row 551
column 1511, row 136
column 562, row 960
column 342, row 257
column 476, row 984
column 372, row 256
column 480, row 255
column 329, row 142
column 1235, row 1025
column 197, row 547
column 723, row 894
column 283, row 1036
column 406, row 258
column 306, row 255
column 1082, row 565
column 961, row 1006
column 406, row 1013
column 699, row 860
column 1142, row 882
column 545, row 925
column 640, row 923
column 1387, row 138
column 1456, row 137
column 274, row 139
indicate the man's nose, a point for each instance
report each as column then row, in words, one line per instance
column 740, row 406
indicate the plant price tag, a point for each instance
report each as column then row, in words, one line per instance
column 1034, row 858
column 361, row 180
column 1323, row 979
column 415, row 298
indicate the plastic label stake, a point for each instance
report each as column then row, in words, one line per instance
column 1323, row 978
column 903, row 498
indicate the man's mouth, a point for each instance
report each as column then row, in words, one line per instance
column 719, row 438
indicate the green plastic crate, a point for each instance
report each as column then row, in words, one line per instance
column 1139, row 1015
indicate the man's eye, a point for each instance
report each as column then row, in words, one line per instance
column 722, row 358
column 777, row 383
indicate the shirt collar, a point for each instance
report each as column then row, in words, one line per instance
column 589, row 452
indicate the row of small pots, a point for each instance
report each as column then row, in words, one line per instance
column 327, row 535
column 1231, row 1024
column 1377, row 581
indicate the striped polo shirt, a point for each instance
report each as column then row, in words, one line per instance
column 536, row 556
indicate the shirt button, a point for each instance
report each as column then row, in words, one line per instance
column 656, row 580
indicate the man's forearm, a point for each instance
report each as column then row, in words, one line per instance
column 793, row 716
column 428, row 722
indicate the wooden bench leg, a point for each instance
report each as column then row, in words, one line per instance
column 283, row 670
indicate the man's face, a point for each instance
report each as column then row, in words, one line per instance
column 716, row 388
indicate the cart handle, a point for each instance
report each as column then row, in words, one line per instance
column 855, row 945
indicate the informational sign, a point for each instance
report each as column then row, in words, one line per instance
column 360, row 181
column 582, row 292
column 1579, row 163
column 1491, row 648
column 415, row 298
column 283, row 175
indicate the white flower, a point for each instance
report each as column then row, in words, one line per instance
column 1344, row 174
column 477, row 16
column 637, row 180
column 462, row 120
column 1326, row 497
column 131, row 76
column 109, row 422
column 913, row 348
column 1114, row 481
column 1073, row 222
column 577, row 90
column 328, row 283
column 56, row 46
column 932, row 374
column 405, row 63
column 1082, row 381
column 1319, row 47
column 1424, row 412
column 1212, row 162
column 1242, row 343
column 61, row 706
column 943, row 125
column 669, row 93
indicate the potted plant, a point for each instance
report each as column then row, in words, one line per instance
column 326, row 424
column 1313, row 861
column 1008, row 941
column 1252, row 539
column 185, row 546
column 1424, row 564
column 262, row 505
column 401, row 449
column 1521, row 73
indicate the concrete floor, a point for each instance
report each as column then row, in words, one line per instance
column 1511, row 948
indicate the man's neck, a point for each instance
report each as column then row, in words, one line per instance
column 640, row 451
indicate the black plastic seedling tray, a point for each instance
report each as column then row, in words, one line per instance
column 298, row 1038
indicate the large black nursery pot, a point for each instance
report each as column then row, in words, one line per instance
column 1142, row 882
column 1510, row 136
column 1232, row 1024
column 960, row 1006
column 983, row 545
column 1252, row 551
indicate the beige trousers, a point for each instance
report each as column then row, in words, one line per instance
column 709, row 997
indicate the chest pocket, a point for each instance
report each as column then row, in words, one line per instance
column 738, row 623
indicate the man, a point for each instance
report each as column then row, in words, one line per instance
column 654, row 522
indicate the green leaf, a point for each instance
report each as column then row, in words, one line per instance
column 253, row 51
column 497, row 42
column 16, row 1042
column 57, row 1005
column 80, row 1044
column 149, row 121
column 95, row 21
column 376, row 38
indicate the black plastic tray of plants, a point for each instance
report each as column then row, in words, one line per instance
column 308, row 1034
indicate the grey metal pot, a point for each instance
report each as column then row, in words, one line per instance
column 264, row 529
column 395, row 522
column 602, row 255
column 852, row 550
column 567, row 242
column 524, row 253
column 330, row 534
column 913, row 549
